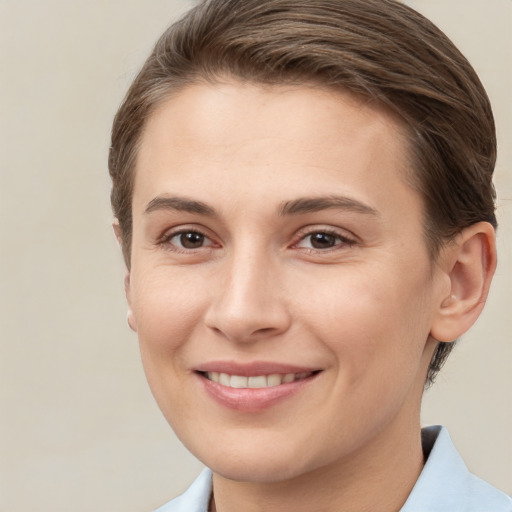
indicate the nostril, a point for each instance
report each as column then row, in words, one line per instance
column 265, row 330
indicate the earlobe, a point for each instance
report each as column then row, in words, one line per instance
column 130, row 320
column 469, row 262
column 117, row 231
column 130, row 317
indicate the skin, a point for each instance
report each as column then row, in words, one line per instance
column 363, row 306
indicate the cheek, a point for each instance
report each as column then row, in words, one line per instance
column 375, row 328
column 167, row 310
column 167, row 314
column 377, row 349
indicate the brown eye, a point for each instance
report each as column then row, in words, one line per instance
column 188, row 240
column 191, row 240
column 323, row 240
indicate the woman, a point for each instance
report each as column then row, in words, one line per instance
column 303, row 196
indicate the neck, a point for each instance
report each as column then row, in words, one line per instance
column 378, row 477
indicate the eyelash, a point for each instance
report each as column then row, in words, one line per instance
column 167, row 238
column 340, row 240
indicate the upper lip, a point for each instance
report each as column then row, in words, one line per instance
column 252, row 369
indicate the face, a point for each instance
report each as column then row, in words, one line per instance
column 280, row 283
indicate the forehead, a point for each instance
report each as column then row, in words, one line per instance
column 249, row 137
column 291, row 109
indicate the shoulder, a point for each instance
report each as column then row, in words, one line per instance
column 446, row 484
column 195, row 499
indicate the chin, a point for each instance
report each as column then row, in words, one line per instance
column 259, row 463
column 260, row 471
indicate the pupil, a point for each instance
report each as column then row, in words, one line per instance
column 322, row 240
column 191, row 240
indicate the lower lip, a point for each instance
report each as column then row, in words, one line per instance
column 253, row 399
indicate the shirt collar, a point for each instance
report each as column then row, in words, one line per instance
column 445, row 484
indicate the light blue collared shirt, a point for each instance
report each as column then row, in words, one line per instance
column 444, row 485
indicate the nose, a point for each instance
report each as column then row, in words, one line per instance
column 250, row 304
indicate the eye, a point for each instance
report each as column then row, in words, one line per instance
column 188, row 240
column 323, row 240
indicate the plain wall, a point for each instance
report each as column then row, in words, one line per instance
column 78, row 428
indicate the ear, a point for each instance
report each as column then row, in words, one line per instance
column 469, row 262
column 130, row 318
column 117, row 231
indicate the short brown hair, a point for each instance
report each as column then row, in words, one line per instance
column 378, row 49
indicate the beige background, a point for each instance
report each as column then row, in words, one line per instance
column 78, row 428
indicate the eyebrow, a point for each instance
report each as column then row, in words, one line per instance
column 294, row 207
column 181, row 204
column 316, row 204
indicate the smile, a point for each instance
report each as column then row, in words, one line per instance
column 256, row 387
column 256, row 381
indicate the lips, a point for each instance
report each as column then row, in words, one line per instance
column 253, row 387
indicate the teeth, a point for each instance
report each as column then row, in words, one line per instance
column 237, row 381
column 257, row 381
column 274, row 380
column 224, row 379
